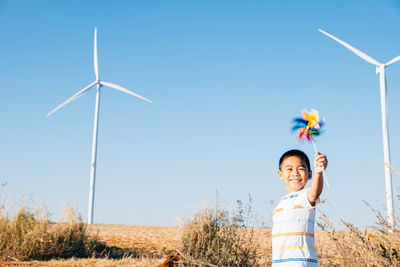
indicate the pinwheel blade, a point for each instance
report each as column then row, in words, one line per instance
column 72, row 98
column 302, row 131
column 393, row 61
column 117, row 87
column 352, row 49
column 299, row 123
column 96, row 66
column 300, row 120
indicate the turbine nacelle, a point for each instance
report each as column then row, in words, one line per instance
column 380, row 69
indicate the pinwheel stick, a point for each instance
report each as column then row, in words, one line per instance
column 316, row 151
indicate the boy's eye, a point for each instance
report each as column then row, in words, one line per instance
column 302, row 169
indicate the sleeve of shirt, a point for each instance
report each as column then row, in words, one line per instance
column 305, row 199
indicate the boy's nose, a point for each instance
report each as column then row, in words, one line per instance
column 294, row 173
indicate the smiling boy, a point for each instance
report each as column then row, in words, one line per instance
column 294, row 217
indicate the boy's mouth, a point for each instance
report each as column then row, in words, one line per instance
column 296, row 180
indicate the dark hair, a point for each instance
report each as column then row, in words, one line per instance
column 297, row 153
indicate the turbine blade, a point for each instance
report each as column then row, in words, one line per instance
column 124, row 90
column 72, row 98
column 96, row 66
column 393, row 61
column 352, row 49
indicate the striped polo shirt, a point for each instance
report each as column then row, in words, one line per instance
column 293, row 231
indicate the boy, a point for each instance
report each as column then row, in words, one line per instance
column 293, row 219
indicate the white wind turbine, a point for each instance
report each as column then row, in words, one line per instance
column 98, row 84
column 380, row 69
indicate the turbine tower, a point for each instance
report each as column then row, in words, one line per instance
column 98, row 83
column 380, row 70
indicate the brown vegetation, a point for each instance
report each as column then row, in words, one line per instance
column 171, row 261
column 152, row 241
column 31, row 236
column 334, row 248
column 213, row 237
column 217, row 237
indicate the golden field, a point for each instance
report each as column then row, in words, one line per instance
column 152, row 244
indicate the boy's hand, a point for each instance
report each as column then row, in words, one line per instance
column 320, row 162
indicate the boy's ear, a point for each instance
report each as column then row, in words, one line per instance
column 280, row 174
column 309, row 175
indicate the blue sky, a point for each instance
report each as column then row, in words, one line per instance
column 226, row 78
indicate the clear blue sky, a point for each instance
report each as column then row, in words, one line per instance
column 226, row 78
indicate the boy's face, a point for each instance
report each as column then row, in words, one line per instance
column 294, row 173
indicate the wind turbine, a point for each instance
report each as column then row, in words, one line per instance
column 380, row 69
column 98, row 83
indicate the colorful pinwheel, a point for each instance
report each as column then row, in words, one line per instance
column 308, row 126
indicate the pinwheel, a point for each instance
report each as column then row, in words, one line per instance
column 308, row 127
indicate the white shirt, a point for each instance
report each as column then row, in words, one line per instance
column 293, row 231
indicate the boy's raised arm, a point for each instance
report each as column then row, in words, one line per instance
column 320, row 164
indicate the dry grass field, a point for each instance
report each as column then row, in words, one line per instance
column 147, row 240
column 154, row 243
column 213, row 237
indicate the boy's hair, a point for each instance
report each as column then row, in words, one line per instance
column 297, row 153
